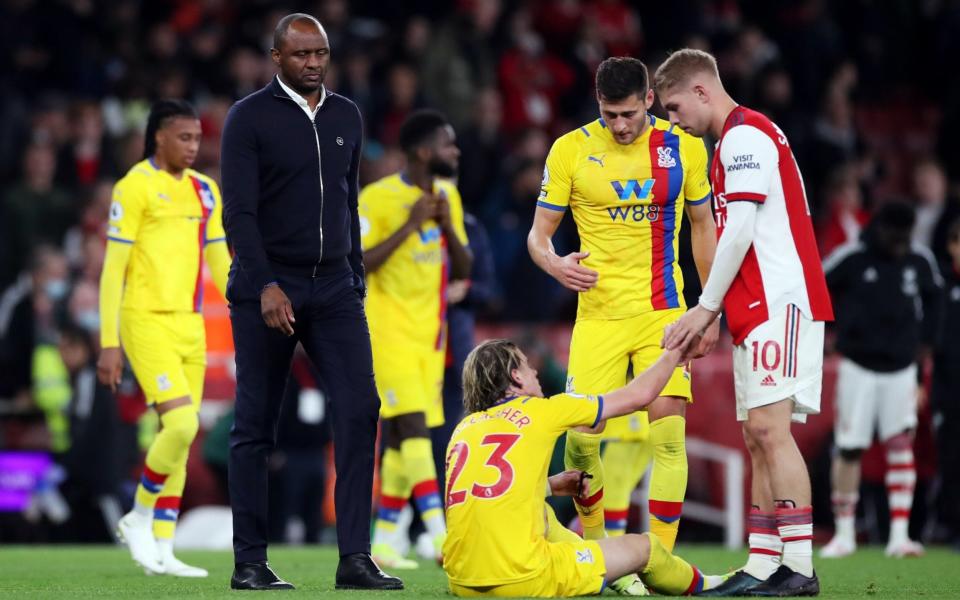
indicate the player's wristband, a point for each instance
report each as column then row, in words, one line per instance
column 549, row 489
column 268, row 285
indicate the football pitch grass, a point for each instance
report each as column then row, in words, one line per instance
column 107, row 572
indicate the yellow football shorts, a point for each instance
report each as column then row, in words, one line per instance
column 167, row 351
column 569, row 569
column 601, row 353
column 409, row 380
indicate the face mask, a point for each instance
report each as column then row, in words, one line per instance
column 89, row 320
column 55, row 289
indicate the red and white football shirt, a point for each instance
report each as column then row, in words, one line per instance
column 753, row 162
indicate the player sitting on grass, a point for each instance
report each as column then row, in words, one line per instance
column 500, row 539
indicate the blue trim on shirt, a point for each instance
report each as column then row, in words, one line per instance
column 219, row 239
column 121, row 240
column 504, row 400
column 602, row 123
column 153, row 163
column 585, row 132
column 551, row 206
column 700, row 201
column 599, row 412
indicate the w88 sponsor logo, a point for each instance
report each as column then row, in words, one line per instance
column 635, row 213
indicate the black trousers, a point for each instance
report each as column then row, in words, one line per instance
column 332, row 327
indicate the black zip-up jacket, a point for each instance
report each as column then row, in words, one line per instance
column 290, row 185
column 885, row 308
column 946, row 358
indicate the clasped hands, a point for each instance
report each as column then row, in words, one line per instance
column 695, row 333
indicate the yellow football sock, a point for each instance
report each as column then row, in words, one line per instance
column 394, row 491
column 166, row 511
column 668, row 480
column 583, row 452
column 420, row 470
column 625, row 463
column 669, row 574
column 556, row 532
column 167, row 453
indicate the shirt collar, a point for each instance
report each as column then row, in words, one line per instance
column 300, row 100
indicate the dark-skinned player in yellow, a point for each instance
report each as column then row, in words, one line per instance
column 165, row 221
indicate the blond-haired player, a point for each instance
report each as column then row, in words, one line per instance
column 502, row 540
column 767, row 275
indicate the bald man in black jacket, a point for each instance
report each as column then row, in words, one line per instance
column 290, row 159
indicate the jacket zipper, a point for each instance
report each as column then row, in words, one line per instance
column 316, row 137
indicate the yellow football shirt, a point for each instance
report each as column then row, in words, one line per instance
column 496, row 475
column 168, row 221
column 627, row 202
column 406, row 296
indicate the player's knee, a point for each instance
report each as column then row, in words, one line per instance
column 765, row 434
column 851, row 454
column 752, row 446
column 182, row 424
column 640, row 549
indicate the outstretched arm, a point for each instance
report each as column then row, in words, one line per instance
column 644, row 388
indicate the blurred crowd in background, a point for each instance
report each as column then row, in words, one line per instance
column 863, row 89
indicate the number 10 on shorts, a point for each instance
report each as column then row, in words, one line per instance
column 767, row 355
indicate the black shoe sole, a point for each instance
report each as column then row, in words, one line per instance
column 811, row 589
column 348, row 586
column 287, row 588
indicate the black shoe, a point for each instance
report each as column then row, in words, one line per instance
column 257, row 576
column 787, row 582
column 738, row 584
column 359, row 572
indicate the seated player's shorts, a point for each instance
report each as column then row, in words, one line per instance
column 167, row 351
column 409, row 380
column 601, row 353
column 570, row 569
column 781, row 358
column 869, row 401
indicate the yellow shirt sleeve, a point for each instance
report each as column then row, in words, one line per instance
column 218, row 259
column 557, row 184
column 215, row 251
column 456, row 214
column 126, row 215
column 372, row 229
column 215, row 231
column 696, row 186
column 574, row 410
column 111, row 291
column 126, row 210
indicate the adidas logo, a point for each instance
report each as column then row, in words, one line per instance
column 768, row 381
